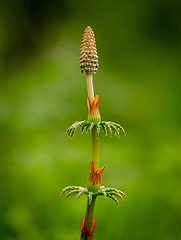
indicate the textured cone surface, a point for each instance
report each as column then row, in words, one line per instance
column 88, row 54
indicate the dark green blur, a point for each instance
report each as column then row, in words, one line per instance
column 42, row 92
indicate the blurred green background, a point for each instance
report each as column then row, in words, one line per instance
column 42, row 92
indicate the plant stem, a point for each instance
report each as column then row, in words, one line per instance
column 90, row 87
column 95, row 155
column 95, row 149
column 95, row 159
column 90, row 212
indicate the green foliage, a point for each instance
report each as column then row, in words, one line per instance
column 75, row 190
column 111, row 193
column 108, row 128
column 106, row 192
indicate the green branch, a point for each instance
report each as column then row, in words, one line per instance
column 108, row 128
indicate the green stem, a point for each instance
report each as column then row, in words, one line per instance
column 90, row 212
column 89, row 215
column 95, row 159
column 95, row 149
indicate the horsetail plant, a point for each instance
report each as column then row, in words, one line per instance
column 89, row 66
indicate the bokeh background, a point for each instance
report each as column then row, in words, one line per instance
column 42, row 92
